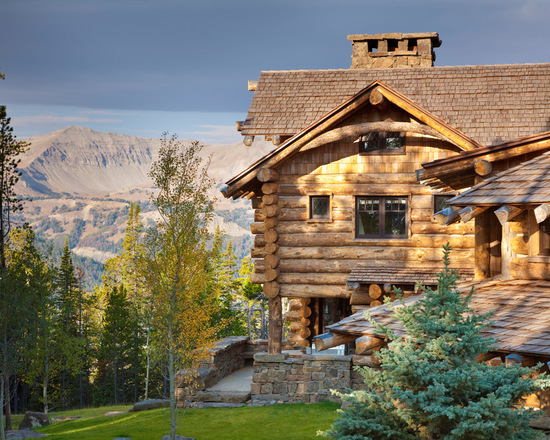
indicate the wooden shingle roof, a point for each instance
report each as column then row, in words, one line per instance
column 521, row 322
column 369, row 273
column 527, row 183
column 491, row 104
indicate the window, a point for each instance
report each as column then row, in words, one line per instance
column 387, row 141
column 383, row 217
column 319, row 208
column 440, row 201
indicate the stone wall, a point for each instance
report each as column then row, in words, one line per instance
column 307, row 378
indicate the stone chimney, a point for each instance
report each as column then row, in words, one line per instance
column 393, row 50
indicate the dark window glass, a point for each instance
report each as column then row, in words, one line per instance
column 319, row 207
column 544, row 234
column 440, row 201
column 387, row 141
column 381, row 217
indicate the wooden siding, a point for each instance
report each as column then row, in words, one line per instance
column 316, row 257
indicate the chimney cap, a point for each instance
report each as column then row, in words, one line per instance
column 434, row 36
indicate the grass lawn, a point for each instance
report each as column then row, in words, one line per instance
column 279, row 422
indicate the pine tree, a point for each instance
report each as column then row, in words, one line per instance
column 117, row 340
column 430, row 385
column 68, row 343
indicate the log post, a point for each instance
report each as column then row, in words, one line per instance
column 275, row 325
column 375, row 291
column 482, row 252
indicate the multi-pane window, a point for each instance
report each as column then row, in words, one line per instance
column 384, row 217
column 387, row 141
column 319, row 207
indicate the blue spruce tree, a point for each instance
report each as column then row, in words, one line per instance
column 430, row 385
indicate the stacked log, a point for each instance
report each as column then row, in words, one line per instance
column 270, row 213
column 298, row 317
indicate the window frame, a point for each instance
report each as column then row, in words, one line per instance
column 382, row 215
column 382, row 137
column 310, row 217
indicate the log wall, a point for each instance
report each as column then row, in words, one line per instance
column 315, row 258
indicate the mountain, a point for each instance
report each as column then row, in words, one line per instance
column 81, row 183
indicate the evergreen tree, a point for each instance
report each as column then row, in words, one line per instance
column 117, row 342
column 430, row 385
column 10, row 149
column 68, row 342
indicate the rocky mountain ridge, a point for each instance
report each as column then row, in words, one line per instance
column 81, row 183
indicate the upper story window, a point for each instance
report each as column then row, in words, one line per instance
column 382, row 142
column 381, row 217
column 319, row 207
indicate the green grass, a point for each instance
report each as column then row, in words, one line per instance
column 284, row 422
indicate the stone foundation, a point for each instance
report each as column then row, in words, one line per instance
column 308, row 378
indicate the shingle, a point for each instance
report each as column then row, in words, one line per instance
column 488, row 103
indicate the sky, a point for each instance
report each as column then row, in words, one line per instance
column 142, row 67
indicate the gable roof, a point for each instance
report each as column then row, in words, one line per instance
column 316, row 133
column 527, row 183
column 490, row 104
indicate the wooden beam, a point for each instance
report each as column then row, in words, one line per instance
column 506, row 213
column 366, row 344
column 248, row 140
column 468, row 213
column 267, row 175
column 376, row 98
column 483, row 167
column 357, row 130
column 447, row 216
column 542, row 212
column 329, row 340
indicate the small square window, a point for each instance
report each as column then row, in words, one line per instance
column 319, row 207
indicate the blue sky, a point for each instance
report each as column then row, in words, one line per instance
column 142, row 67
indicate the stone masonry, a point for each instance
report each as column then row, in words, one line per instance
column 395, row 50
column 307, row 378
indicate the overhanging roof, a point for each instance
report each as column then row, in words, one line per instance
column 315, row 135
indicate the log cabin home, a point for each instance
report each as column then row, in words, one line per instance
column 363, row 158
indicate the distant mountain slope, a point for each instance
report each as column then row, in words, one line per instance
column 84, row 162
column 81, row 183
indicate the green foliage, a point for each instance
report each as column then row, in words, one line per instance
column 430, row 385
column 176, row 262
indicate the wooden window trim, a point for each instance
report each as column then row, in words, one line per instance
column 382, row 237
column 319, row 220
